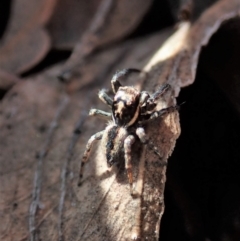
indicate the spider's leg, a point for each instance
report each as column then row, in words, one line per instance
column 103, row 96
column 121, row 75
column 164, row 111
column 152, row 101
column 93, row 138
column 161, row 91
column 100, row 113
column 145, row 140
column 128, row 163
column 160, row 113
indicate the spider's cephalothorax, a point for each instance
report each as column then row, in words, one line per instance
column 130, row 110
column 125, row 108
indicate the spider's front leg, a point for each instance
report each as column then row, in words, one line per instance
column 100, row 113
column 127, row 156
column 160, row 113
column 120, row 75
column 163, row 111
column 103, row 96
column 145, row 140
column 150, row 103
column 160, row 92
column 93, row 138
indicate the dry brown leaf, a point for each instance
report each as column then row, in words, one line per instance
column 113, row 20
column 225, row 70
column 29, row 116
column 45, row 216
column 25, row 41
column 69, row 21
column 200, row 33
column 7, row 80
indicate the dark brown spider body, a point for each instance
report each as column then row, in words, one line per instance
column 131, row 109
column 125, row 112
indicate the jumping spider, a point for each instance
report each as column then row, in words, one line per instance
column 131, row 109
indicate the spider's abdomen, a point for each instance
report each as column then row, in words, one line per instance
column 113, row 138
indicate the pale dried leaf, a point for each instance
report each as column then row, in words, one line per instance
column 32, row 185
column 7, row 80
column 25, row 41
column 200, row 33
column 113, row 20
column 69, row 21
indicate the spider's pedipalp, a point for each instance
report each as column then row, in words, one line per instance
column 100, row 113
column 93, row 138
column 143, row 98
column 127, row 156
column 103, row 96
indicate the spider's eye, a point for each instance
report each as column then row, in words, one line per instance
column 126, row 106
